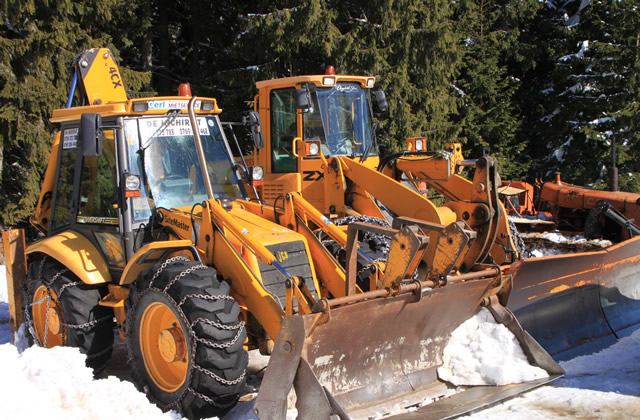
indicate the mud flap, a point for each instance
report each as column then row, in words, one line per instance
column 566, row 301
column 376, row 356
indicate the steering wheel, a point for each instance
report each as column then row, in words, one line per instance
column 338, row 143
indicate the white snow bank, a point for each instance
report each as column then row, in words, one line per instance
column 56, row 384
column 483, row 352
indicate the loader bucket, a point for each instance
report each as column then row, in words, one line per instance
column 567, row 301
column 379, row 355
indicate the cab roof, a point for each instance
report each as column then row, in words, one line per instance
column 317, row 80
column 137, row 107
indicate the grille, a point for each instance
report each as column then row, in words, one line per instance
column 293, row 257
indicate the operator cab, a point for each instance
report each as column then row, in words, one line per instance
column 132, row 159
column 334, row 111
column 163, row 151
column 340, row 118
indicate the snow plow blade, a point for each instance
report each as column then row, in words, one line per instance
column 381, row 355
column 567, row 301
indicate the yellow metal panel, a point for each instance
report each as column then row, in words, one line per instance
column 262, row 305
column 395, row 196
column 42, row 215
column 276, row 185
column 151, row 251
column 101, row 77
column 77, row 253
column 74, row 113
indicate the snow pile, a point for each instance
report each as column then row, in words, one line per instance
column 55, row 383
column 541, row 244
column 483, row 352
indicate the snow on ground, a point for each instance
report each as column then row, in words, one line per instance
column 54, row 383
column 604, row 385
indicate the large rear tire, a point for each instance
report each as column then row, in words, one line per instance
column 185, row 339
column 61, row 310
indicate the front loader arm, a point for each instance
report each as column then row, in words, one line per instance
column 475, row 202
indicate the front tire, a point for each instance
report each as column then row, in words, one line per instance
column 185, row 340
column 61, row 310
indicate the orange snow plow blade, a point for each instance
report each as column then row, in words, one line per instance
column 380, row 355
column 566, row 301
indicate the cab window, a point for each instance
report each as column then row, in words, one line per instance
column 283, row 131
column 98, row 185
column 64, row 185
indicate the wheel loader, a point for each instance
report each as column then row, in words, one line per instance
column 315, row 134
column 148, row 228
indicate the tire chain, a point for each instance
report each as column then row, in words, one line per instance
column 368, row 236
column 49, row 299
column 177, row 404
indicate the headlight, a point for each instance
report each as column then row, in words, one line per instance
column 140, row 106
column 419, row 145
column 257, row 173
column 370, row 82
column 328, row 81
column 132, row 186
column 132, row 182
column 314, row 149
column 207, row 106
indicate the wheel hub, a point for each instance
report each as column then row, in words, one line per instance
column 54, row 321
column 171, row 344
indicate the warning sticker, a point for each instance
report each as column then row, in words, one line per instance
column 70, row 138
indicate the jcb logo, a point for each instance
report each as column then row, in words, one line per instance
column 282, row 255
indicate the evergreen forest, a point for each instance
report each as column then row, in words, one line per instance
column 544, row 86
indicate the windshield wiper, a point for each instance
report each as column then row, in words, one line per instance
column 367, row 149
column 172, row 116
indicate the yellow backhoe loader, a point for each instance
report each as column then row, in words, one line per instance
column 315, row 135
column 145, row 222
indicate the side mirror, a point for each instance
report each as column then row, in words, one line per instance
column 302, row 99
column 91, row 134
column 252, row 122
column 380, row 103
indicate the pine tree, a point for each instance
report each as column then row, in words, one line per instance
column 491, row 77
column 38, row 41
column 409, row 46
column 590, row 98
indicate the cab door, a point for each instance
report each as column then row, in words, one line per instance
column 87, row 198
column 282, row 166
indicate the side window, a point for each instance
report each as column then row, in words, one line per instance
column 283, row 130
column 64, row 187
column 98, row 186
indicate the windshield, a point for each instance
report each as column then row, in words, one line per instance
column 163, row 152
column 340, row 117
